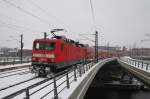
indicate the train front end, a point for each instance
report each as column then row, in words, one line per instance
column 43, row 56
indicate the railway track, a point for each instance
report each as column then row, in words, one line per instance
column 17, row 86
column 27, row 83
column 14, row 67
column 14, row 72
column 11, row 71
column 21, row 73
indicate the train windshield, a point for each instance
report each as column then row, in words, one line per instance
column 44, row 45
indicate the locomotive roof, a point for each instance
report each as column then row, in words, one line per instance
column 59, row 38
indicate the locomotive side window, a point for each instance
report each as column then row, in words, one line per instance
column 62, row 47
column 44, row 45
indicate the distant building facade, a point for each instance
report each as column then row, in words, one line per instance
column 14, row 52
column 113, row 51
column 110, row 48
column 139, row 52
column 25, row 52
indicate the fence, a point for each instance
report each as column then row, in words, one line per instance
column 65, row 77
column 13, row 60
column 145, row 65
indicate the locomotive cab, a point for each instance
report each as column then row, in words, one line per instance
column 43, row 56
column 43, row 52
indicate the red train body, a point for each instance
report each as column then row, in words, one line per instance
column 49, row 55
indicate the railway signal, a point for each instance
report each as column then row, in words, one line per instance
column 96, row 46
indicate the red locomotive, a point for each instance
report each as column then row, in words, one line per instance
column 49, row 55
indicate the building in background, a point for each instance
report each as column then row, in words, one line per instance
column 109, row 51
column 25, row 52
column 14, row 52
column 139, row 52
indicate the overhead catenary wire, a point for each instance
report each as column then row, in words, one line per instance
column 26, row 28
column 145, row 40
column 94, row 22
column 48, row 14
column 29, row 13
column 13, row 28
column 18, row 29
column 16, row 20
column 147, row 35
column 86, row 38
column 93, row 15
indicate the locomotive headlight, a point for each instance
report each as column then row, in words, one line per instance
column 37, row 55
column 50, row 55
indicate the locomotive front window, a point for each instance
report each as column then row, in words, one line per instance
column 44, row 45
column 49, row 46
column 39, row 46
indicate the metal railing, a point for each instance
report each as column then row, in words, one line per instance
column 13, row 61
column 144, row 58
column 145, row 65
column 65, row 79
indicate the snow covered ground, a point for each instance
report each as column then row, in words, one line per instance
column 45, row 89
column 16, row 79
column 13, row 72
column 11, row 77
column 16, row 65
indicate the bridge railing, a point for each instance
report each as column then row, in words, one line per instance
column 144, row 65
column 59, row 82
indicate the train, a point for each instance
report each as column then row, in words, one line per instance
column 51, row 55
column 59, row 52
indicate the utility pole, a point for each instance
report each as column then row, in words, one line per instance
column 95, row 57
column 21, row 45
column 96, row 46
column 96, row 32
column 108, row 49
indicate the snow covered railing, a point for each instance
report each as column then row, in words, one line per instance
column 144, row 65
column 144, row 58
column 14, row 61
column 56, row 84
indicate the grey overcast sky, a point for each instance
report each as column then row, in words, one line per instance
column 119, row 22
